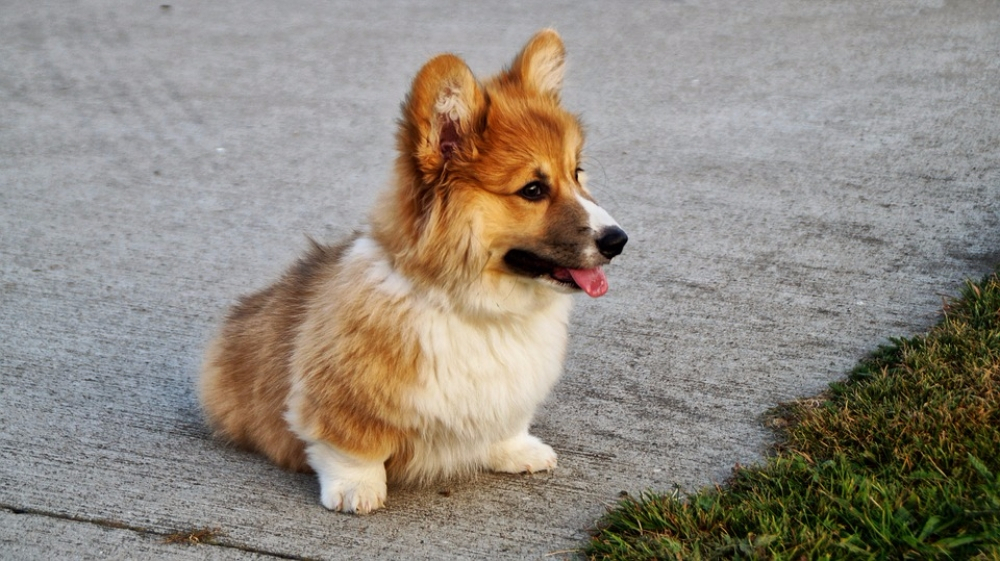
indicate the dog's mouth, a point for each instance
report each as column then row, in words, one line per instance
column 592, row 281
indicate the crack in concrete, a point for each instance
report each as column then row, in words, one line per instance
column 216, row 541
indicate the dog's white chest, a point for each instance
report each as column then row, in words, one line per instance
column 478, row 380
column 482, row 381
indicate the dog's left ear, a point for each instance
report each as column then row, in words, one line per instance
column 541, row 64
column 439, row 115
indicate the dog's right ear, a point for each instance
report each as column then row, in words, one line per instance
column 541, row 64
column 439, row 115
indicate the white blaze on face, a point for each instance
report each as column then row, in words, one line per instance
column 599, row 218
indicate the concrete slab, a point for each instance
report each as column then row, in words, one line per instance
column 798, row 179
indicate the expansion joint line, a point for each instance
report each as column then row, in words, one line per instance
column 216, row 540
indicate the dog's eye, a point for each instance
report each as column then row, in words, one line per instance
column 576, row 174
column 533, row 191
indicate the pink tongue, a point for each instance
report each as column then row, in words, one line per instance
column 592, row 281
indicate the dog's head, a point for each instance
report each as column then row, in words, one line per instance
column 490, row 181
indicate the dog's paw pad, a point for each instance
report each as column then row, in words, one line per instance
column 359, row 497
column 524, row 454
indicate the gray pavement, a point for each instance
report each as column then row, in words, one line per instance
column 799, row 179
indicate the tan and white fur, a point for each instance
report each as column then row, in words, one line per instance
column 420, row 348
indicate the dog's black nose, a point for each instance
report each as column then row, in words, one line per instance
column 612, row 241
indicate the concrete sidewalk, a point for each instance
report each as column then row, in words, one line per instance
column 799, row 180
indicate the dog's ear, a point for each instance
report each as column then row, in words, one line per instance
column 541, row 64
column 440, row 114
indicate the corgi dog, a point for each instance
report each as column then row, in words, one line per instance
column 419, row 348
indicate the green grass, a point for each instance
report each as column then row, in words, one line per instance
column 901, row 461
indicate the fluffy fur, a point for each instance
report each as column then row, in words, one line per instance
column 420, row 348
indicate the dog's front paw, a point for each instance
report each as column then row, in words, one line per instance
column 359, row 497
column 523, row 453
column 347, row 483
